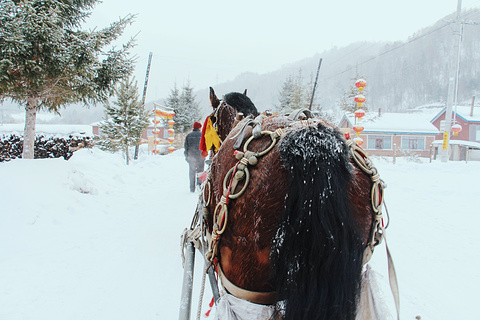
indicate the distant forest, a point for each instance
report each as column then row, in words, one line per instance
column 400, row 75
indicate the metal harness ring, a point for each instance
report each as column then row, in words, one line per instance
column 272, row 135
column 227, row 178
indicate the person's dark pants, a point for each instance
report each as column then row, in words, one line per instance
column 194, row 168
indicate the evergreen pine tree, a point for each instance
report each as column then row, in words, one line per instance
column 186, row 108
column 127, row 120
column 48, row 62
column 285, row 96
column 296, row 94
column 189, row 109
column 173, row 102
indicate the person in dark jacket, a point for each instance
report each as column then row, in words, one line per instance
column 193, row 154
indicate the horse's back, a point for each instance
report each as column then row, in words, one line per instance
column 295, row 230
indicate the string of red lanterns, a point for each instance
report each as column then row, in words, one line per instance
column 359, row 113
column 164, row 114
column 155, row 131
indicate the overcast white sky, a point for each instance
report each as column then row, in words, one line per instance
column 209, row 42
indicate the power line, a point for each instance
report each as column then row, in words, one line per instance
column 388, row 51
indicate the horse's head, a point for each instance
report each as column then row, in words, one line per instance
column 226, row 110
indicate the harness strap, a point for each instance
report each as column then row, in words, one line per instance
column 257, row 128
column 392, row 278
column 299, row 114
column 266, row 298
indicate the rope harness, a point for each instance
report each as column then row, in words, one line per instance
column 377, row 229
column 232, row 180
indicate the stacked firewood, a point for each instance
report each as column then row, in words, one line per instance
column 11, row 147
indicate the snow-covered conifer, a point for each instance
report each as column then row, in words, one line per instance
column 187, row 109
column 296, row 94
column 285, row 96
column 127, row 120
column 48, row 62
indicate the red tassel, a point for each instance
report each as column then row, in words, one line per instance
column 211, row 306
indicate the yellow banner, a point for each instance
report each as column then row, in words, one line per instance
column 445, row 141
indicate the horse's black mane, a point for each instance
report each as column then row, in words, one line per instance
column 241, row 103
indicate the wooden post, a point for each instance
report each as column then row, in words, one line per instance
column 394, row 152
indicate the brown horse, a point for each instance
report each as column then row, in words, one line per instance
column 293, row 211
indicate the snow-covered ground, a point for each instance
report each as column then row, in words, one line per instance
column 91, row 238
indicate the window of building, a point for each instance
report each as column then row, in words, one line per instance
column 413, row 143
column 379, row 142
column 477, row 133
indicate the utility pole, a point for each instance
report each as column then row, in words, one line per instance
column 144, row 94
column 451, row 84
column 315, row 85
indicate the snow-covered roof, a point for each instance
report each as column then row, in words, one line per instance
column 463, row 112
column 459, row 142
column 398, row 123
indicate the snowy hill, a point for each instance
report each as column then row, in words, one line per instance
column 91, row 238
column 400, row 75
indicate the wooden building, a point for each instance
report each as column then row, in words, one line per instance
column 467, row 117
column 466, row 145
column 394, row 134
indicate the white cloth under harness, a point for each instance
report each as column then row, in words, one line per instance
column 371, row 305
column 233, row 308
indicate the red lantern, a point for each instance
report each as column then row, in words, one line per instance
column 171, row 123
column 358, row 129
column 360, row 98
column 156, row 121
column 165, row 114
column 358, row 141
column 360, row 84
column 359, row 113
column 171, row 131
column 155, row 131
column 456, row 128
column 171, row 140
column 171, row 149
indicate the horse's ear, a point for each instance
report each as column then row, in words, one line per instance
column 245, row 92
column 213, row 99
